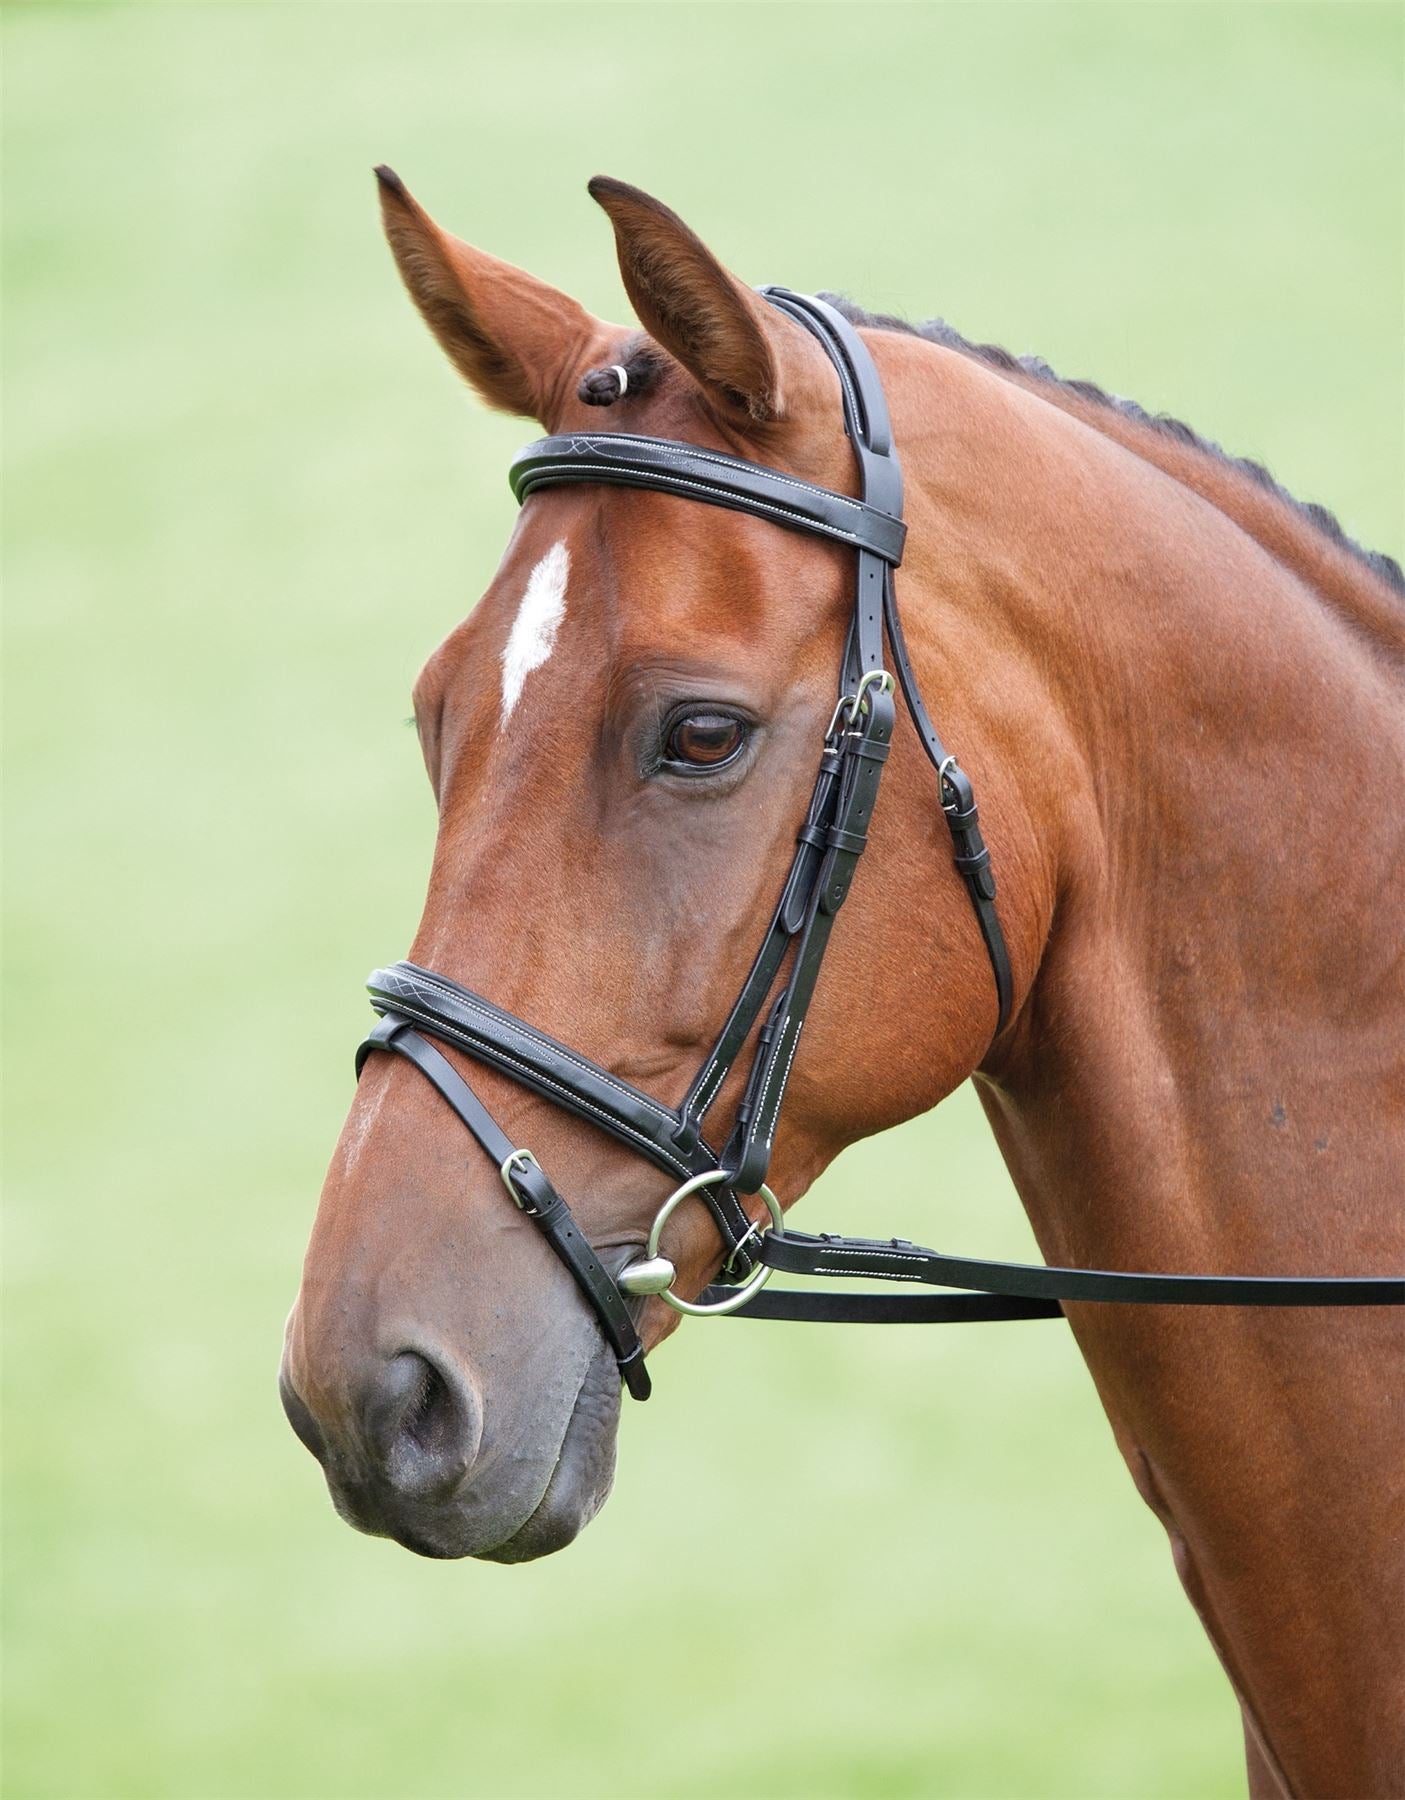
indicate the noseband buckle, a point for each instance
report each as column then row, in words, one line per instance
column 517, row 1163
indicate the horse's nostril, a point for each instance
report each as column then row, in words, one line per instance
column 432, row 1418
column 422, row 1425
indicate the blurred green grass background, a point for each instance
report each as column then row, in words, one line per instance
column 245, row 498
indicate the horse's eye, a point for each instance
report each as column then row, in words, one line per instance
column 704, row 740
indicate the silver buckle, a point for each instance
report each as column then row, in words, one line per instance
column 518, row 1160
column 852, row 704
column 753, row 1230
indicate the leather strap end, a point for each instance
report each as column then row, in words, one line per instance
column 634, row 1372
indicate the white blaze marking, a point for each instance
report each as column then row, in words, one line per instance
column 533, row 633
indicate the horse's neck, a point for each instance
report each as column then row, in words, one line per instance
column 1192, row 764
column 1214, row 1043
column 1211, row 1055
column 1317, row 556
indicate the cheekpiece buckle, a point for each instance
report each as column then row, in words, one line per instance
column 953, row 779
column 850, row 706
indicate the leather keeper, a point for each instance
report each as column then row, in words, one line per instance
column 870, row 749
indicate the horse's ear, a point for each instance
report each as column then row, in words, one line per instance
column 749, row 359
column 517, row 341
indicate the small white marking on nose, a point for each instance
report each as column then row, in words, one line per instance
column 533, row 633
column 358, row 1129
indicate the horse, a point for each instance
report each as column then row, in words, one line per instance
column 1179, row 694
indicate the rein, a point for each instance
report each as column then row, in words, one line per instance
column 418, row 1005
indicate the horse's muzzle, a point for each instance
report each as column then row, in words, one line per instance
column 404, row 1462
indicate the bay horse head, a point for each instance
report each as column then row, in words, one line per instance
column 622, row 739
column 1178, row 693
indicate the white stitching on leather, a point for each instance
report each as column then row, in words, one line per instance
column 770, row 1082
column 889, row 1275
column 705, row 1095
column 879, row 1250
column 599, row 446
column 580, row 470
column 461, row 997
column 532, row 1076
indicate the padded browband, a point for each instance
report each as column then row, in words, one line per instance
column 622, row 459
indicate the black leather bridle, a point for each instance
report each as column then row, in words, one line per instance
column 417, row 1005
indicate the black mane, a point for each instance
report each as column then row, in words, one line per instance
column 937, row 331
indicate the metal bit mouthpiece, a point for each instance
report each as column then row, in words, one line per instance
column 652, row 1275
